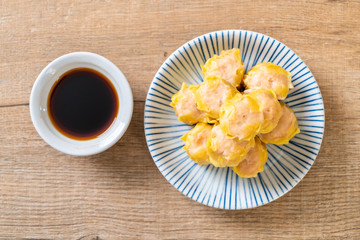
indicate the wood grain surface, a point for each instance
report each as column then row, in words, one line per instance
column 120, row 194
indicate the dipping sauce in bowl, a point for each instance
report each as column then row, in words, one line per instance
column 82, row 104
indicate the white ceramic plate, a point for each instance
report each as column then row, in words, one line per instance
column 221, row 187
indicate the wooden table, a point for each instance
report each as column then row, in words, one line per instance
column 120, row 194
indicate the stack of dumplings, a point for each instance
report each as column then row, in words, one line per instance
column 236, row 114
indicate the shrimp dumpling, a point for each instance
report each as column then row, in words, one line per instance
column 227, row 65
column 211, row 95
column 285, row 130
column 185, row 106
column 241, row 117
column 253, row 162
column 269, row 76
column 224, row 151
column 195, row 143
column 272, row 108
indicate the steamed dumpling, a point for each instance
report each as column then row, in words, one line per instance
column 224, row 151
column 241, row 117
column 272, row 108
column 227, row 65
column 211, row 95
column 285, row 130
column 253, row 162
column 185, row 107
column 269, row 76
column 195, row 143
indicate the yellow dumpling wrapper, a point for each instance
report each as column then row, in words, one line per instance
column 227, row 65
column 195, row 143
column 271, row 108
column 241, row 117
column 211, row 95
column 285, row 130
column 224, row 151
column 253, row 162
column 269, row 76
column 185, row 106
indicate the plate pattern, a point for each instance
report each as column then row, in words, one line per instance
column 221, row 187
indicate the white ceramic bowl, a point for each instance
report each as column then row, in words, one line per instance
column 40, row 93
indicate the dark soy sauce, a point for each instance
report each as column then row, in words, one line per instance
column 82, row 104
